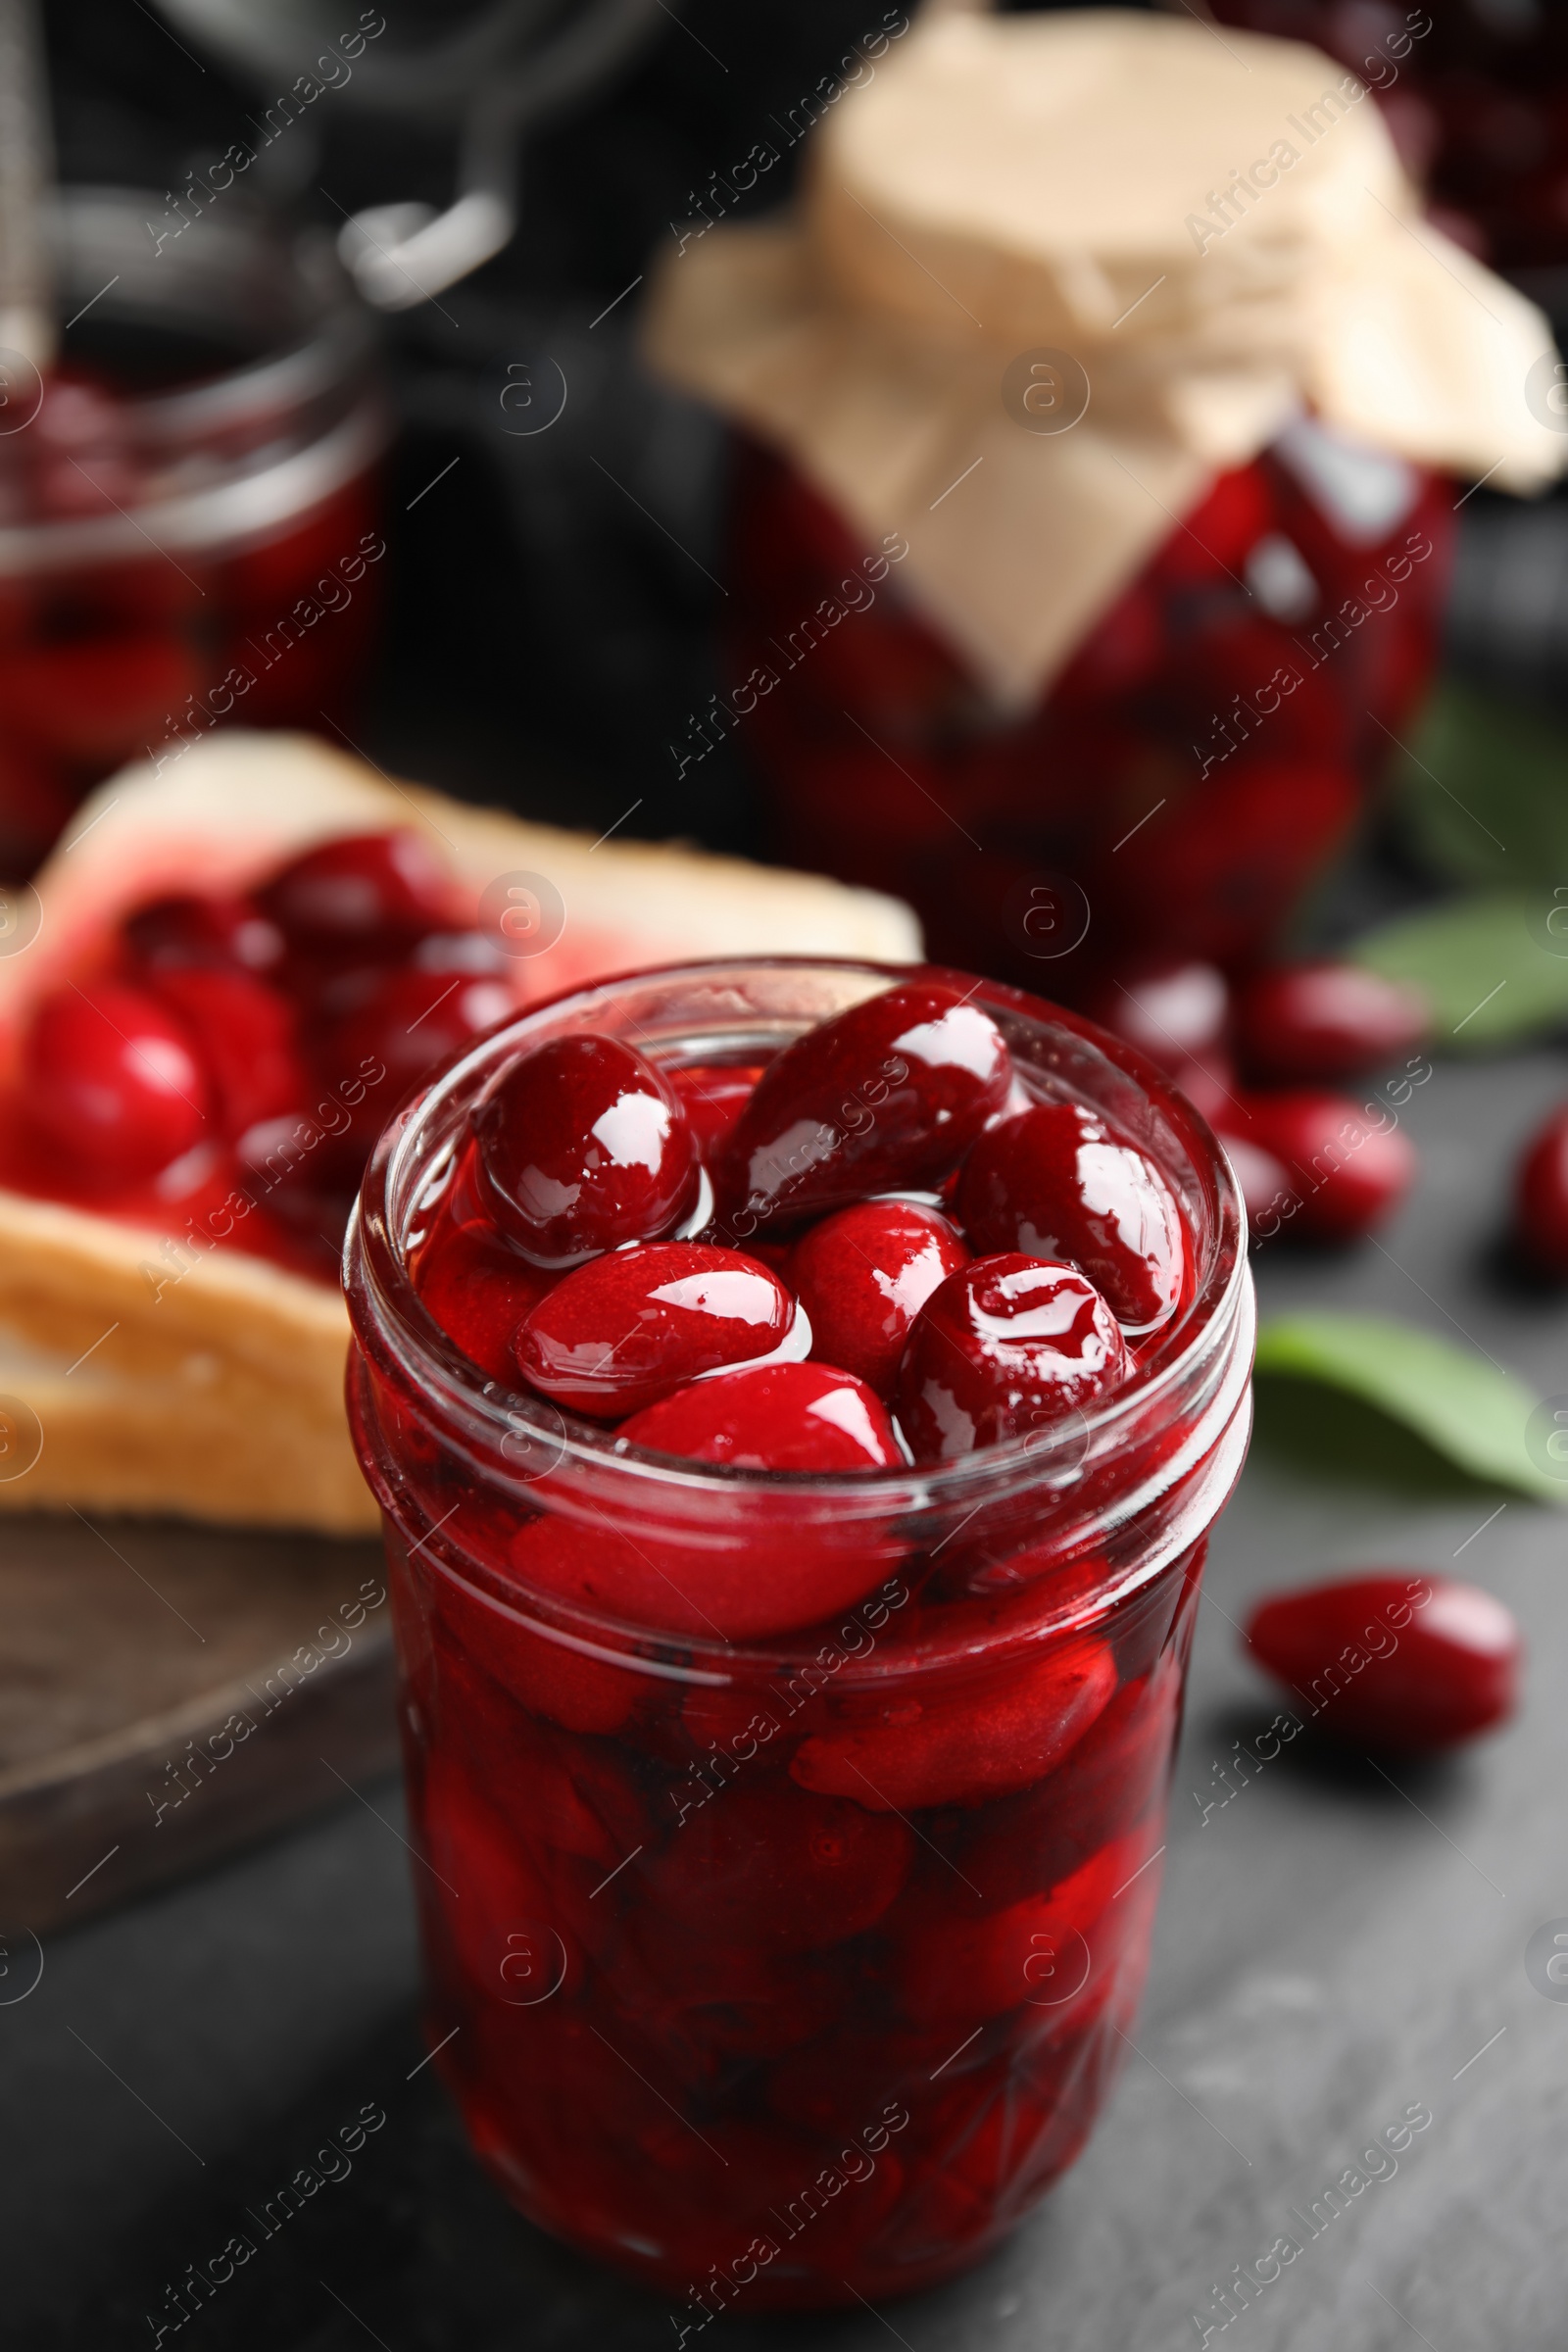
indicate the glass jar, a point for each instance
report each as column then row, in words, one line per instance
column 1205, row 752
column 187, row 508
column 780, row 1971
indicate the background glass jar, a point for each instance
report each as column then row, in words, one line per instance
column 188, row 506
column 780, row 1970
column 1193, row 770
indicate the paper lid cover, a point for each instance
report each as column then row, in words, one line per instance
column 1211, row 228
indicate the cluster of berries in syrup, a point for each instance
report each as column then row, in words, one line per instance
column 874, row 1248
column 229, row 1069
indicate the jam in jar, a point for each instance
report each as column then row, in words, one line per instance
column 1207, row 752
column 787, row 1737
column 188, row 504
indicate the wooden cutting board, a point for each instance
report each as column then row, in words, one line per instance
column 170, row 1692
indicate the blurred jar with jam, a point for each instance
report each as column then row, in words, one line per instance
column 1094, row 408
column 188, row 510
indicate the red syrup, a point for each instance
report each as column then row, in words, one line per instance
column 788, row 1814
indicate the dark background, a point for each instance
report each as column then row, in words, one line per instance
column 550, row 631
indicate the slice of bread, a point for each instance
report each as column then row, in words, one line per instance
column 139, row 1375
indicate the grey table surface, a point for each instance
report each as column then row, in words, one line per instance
column 1332, row 1949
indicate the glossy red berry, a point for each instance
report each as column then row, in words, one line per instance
column 1263, row 1185
column 243, row 1032
column 1318, row 1023
column 885, row 1098
column 1169, row 1013
column 466, row 955
column 1402, row 1661
column 1346, row 1176
column 479, row 1292
column 948, row 1749
column 1055, row 1183
column 112, row 1082
column 712, row 1096
column 582, row 1148
column 303, row 1173
column 1179, row 1016
column 1540, row 1196
column 360, row 890
column 1118, row 1771
column 864, row 1274
column 783, row 1870
column 405, row 1020
column 769, row 1583
column 627, row 1329
column 1007, row 1345
column 578, row 1691
column 773, row 1417
column 172, row 933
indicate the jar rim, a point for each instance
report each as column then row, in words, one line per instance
column 315, row 372
column 328, row 332
column 379, row 1285
column 230, row 516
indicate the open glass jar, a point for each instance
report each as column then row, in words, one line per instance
column 187, row 507
column 782, row 1970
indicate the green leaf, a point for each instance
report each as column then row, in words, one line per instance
column 1463, row 1405
column 1481, row 787
column 1495, row 964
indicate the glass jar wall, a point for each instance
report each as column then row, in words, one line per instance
column 188, row 504
column 782, row 1970
column 1207, row 752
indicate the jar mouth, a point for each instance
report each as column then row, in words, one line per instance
column 388, row 1313
column 242, row 362
column 277, row 314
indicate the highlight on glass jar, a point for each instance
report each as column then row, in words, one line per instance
column 799, row 1395
column 189, row 512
